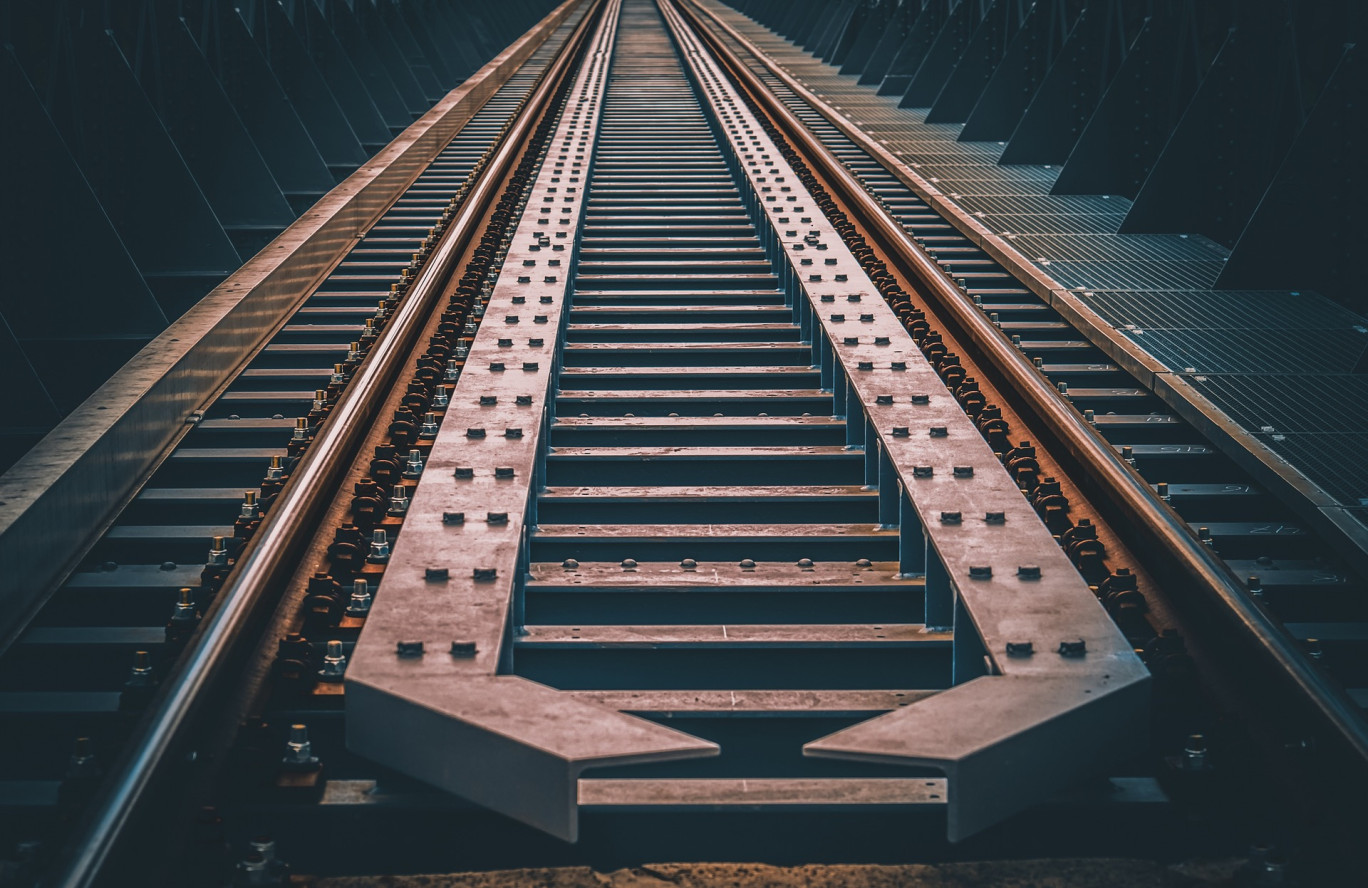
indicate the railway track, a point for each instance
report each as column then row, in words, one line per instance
column 627, row 440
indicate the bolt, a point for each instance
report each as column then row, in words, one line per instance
column 1073, row 648
column 82, row 762
column 359, row 604
column 298, row 749
column 414, row 467
column 379, row 547
column 140, row 675
column 334, row 662
column 399, row 501
column 218, row 552
column 429, row 427
column 185, row 611
column 1194, row 756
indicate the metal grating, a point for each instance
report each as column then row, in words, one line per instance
column 1128, row 247
column 1217, row 309
column 1133, row 275
column 1052, row 205
column 1256, row 351
column 1333, row 463
column 1277, row 404
column 1040, row 223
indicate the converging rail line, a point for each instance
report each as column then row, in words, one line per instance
column 659, row 477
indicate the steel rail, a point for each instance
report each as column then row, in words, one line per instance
column 1108, row 473
column 290, row 524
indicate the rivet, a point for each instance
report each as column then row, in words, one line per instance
column 1020, row 649
column 409, row 648
column 463, row 649
column 964, row 471
column 922, row 471
column 901, row 432
column 851, row 340
column 866, row 318
column 950, row 517
column 511, row 319
column 531, row 365
column 980, row 572
column 570, row 564
column 805, row 563
column 497, row 518
column 536, row 342
column 464, row 472
column 864, row 562
column 488, row 400
column 898, row 365
column 747, row 564
column 1073, row 648
column 921, row 398
column 995, row 517
column 883, row 399
column 864, row 365
column 629, row 564
column 453, row 517
column 939, row 432
column 496, row 367
column 688, row 564
column 1029, row 572
column 881, row 340
column 436, row 574
column 485, row 574
column 539, row 319
column 837, row 318
column 503, row 472
column 475, row 433
column 524, row 400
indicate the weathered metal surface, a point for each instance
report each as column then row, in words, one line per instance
column 446, row 715
column 1005, row 581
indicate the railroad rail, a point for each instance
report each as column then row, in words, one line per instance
column 658, row 475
